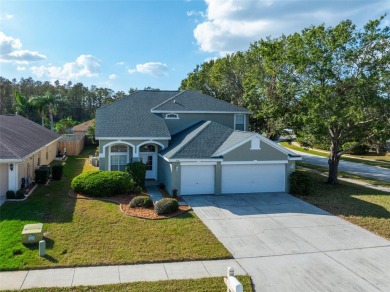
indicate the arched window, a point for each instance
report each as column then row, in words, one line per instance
column 119, row 157
column 147, row 148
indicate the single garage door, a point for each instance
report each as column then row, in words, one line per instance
column 197, row 179
column 253, row 178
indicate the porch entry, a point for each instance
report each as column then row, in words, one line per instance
column 148, row 155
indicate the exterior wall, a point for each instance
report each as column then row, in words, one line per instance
column 165, row 173
column 3, row 178
column 290, row 168
column 187, row 120
column 218, row 178
column 243, row 153
column 104, row 150
column 176, row 177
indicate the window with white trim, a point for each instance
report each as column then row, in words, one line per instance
column 119, row 157
column 239, row 122
column 171, row 116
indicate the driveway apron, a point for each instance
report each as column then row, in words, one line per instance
column 286, row 244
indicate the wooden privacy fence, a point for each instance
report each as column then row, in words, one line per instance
column 72, row 144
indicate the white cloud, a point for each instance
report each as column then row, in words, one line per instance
column 196, row 13
column 21, row 68
column 6, row 16
column 84, row 66
column 112, row 76
column 10, row 51
column 121, row 63
column 232, row 25
column 157, row 69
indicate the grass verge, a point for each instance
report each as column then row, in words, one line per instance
column 214, row 284
column 375, row 162
column 92, row 232
column 342, row 174
column 362, row 206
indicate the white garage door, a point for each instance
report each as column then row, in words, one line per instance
column 197, row 179
column 253, row 178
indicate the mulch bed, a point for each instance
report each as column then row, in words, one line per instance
column 123, row 202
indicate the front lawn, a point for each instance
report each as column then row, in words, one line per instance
column 214, row 284
column 92, row 232
column 373, row 160
column 362, row 206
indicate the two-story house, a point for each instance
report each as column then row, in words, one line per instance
column 191, row 142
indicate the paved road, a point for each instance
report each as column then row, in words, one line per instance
column 286, row 244
column 350, row 167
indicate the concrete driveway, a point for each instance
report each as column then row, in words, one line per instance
column 364, row 170
column 286, row 244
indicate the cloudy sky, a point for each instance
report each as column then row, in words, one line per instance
column 127, row 43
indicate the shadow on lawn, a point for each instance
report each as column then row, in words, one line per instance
column 49, row 203
column 34, row 247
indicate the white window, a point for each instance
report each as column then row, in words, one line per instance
column 239, row 122
column 119, row 157
column 172, row 117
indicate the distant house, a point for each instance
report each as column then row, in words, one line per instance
column 82, row 129
column 191, row 142
column 24, row 146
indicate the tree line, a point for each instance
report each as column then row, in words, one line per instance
column 329, row 84
column 56, row 106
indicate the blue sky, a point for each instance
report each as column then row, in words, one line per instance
column 123, row 44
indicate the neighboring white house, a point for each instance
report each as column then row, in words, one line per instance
column 24, row 146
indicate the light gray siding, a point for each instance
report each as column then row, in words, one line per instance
column 187, row 120
column 165, row 173
column 243, row 153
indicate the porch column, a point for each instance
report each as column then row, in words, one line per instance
column 13, row 177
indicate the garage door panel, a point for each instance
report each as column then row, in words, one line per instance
column 197, row 179
column 253, row 178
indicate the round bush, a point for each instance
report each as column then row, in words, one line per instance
column 100, row 183
column 19, row 194
column 10, row 194
column 141, row 201
column 300, row 184
column 166, row 206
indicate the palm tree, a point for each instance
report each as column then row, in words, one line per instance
column 46, row 105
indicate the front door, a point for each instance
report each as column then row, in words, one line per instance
column 150, row 159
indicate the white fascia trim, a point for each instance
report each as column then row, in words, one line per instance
column 254, row 162
column 132, row 138
column 11, row 160
column 197, row 163
column 197, row 112
column 238, row 144
column 295, row 158
column 189, row 160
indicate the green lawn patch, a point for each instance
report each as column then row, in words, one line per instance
column 342, row 174
column 214, row 284
column 382, row 161
column 93, row 232
column 362, row 206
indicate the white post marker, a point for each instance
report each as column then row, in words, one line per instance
column 233, row 285
column 42, row 248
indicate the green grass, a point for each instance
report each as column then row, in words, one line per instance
column 92, row 232
column 376, row 161
column 342, row 174
column 362, row 206
column 214, row 284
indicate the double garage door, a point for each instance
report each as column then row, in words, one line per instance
column 236, row 178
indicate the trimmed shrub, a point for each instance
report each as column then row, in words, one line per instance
column 101, row 183
column 19, row 194
column 41, row 175
column 141, row 201
column 166, row 206
column 10, row 194
column 56, row 172
column 137, row 171
column 300, row 184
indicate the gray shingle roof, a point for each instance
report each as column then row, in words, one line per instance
column 199, row 141
column 194, row 101
column 20, row 137
column 233, row 139
column 131, row 116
